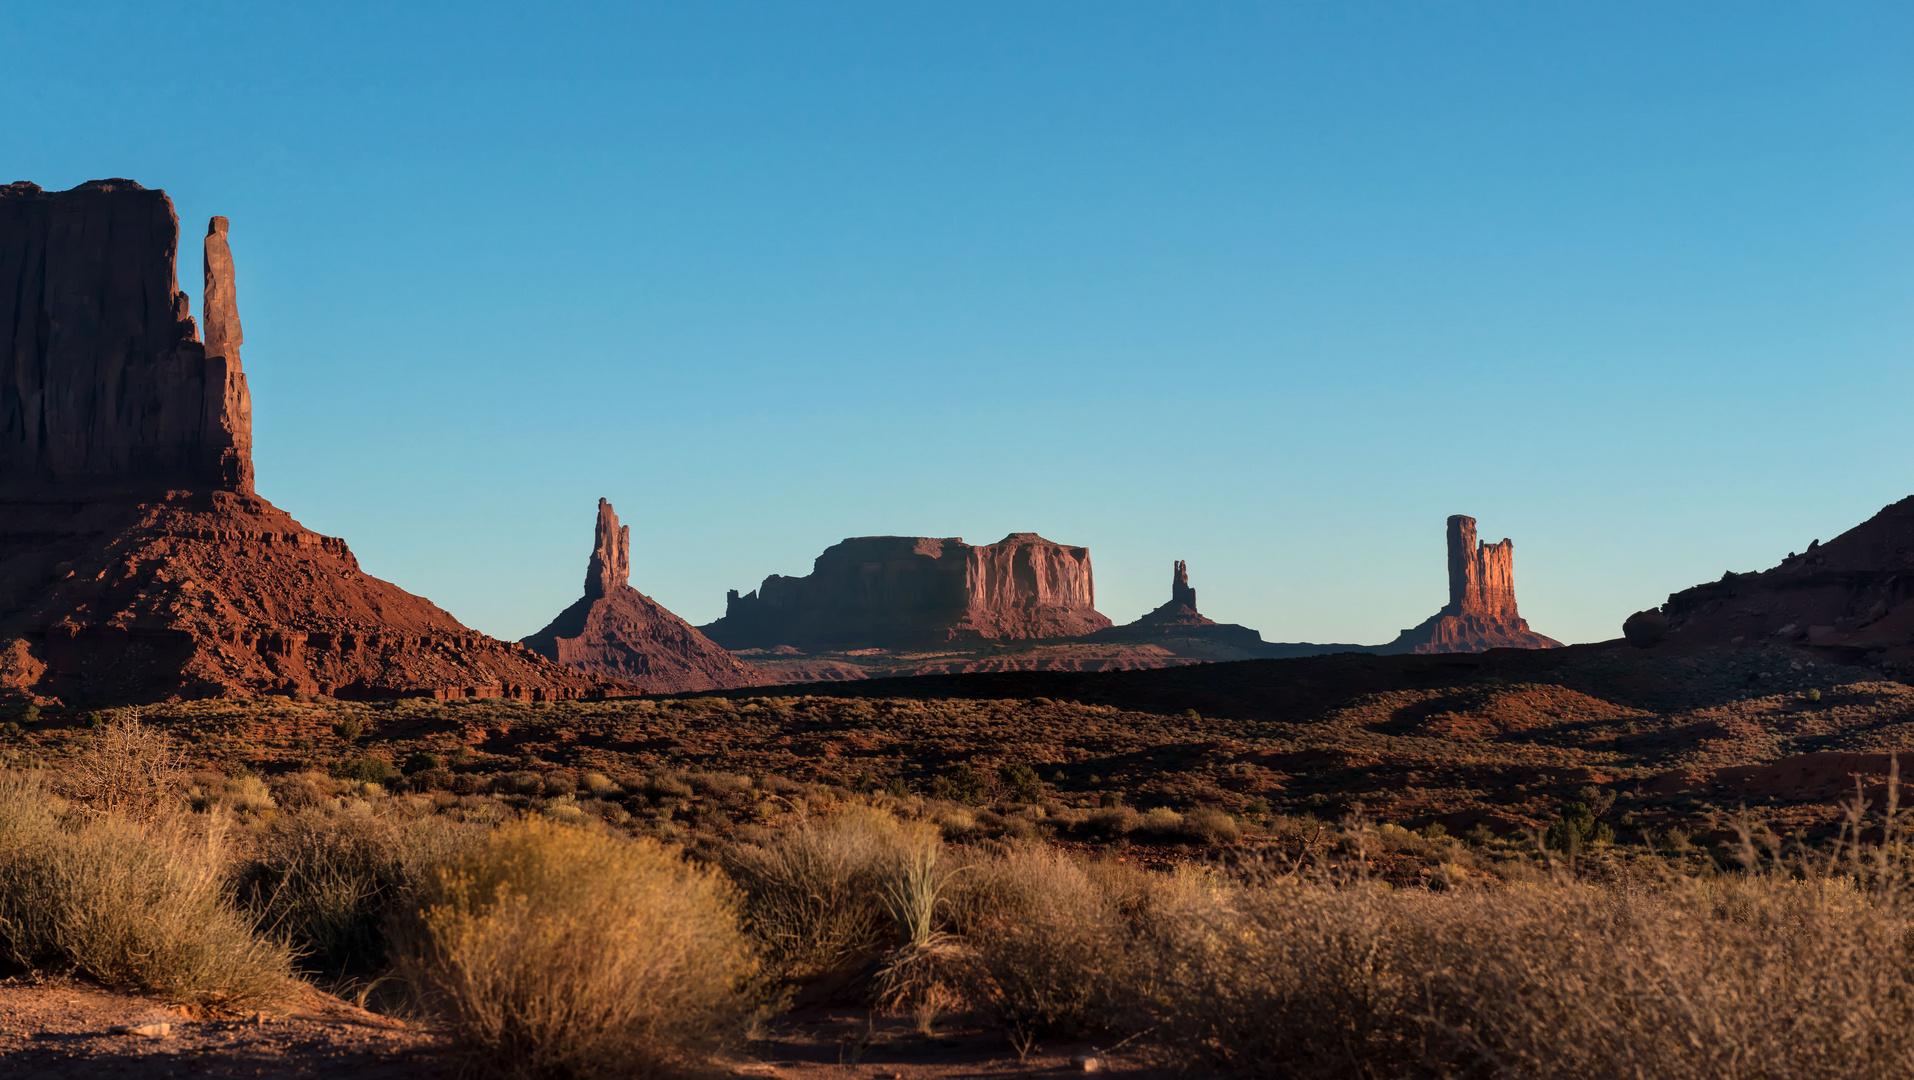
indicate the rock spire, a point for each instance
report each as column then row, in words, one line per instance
column 617, row 632
column 610, row 566
column 1180, row 592
column 1481, row 612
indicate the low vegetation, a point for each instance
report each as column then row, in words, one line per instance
column 615, row 921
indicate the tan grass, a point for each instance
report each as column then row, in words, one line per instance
column 553, row 950
column 130, row 903
column 815, row 894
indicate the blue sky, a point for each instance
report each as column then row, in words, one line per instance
column 1273, row 288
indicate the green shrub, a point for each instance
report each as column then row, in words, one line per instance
column 420, row 761
column 1021, row 781
column 962, row 783
column 371, row 770
column 554, row 951
column 349, row 728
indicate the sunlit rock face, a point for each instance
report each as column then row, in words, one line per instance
column 894, row 592
column 1481, row 612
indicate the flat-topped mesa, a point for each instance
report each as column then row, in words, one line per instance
column 617, row 632
column 104, row 382
column 918, row 591
column 1481, row 612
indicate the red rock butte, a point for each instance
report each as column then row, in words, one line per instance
column 136, row 562
column 901, row 592
column 617, row 632
column 1481, row 612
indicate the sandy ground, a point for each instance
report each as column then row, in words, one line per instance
column 53, row 1027
column 59, row 1028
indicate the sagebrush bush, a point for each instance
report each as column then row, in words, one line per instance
column 1052, row 946
column 815, row 894
column 130, row 903
column 326, row 883
column 553, row 950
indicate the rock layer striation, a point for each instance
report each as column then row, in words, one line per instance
column 617, row 632
column 136, row 562
column 900, row 592
column 1481, row 612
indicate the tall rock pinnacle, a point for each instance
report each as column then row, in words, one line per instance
column 610, row 566
column 1180, row 591
column 1481, row 612
column 617, row 632
column 1481, row 575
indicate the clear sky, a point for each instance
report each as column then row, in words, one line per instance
column 1273, row 288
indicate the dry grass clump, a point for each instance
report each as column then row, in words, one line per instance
column 1053, row 945
column 326, row 882
column 552, row 950
column 130, row 903
column 1790, row 980
column 815, row 893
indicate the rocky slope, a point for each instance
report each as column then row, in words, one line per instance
column 1481, row 612
column 905, row 592
column 136, row 562
column 620, row 633
column 1848, row 597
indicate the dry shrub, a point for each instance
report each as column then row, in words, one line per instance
column 326, row 883
column 552, row 950
column 815, row 895
column 1789, row 980
column 127, row 767
column 1052, row 944
column 130, row 903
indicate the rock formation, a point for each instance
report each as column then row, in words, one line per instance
column 135, row 560
column 1481, row 610
column 620, row 633
column 1848, row 597
column 892, row 592
column 1190, row 636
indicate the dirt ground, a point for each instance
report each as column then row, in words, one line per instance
column 54, row 1028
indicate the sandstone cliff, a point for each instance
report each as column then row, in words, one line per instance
column 135, row 561
column 620, row 633
column 103, row 380
column 912, row 592
column 1481, row 612
column 1849, row 598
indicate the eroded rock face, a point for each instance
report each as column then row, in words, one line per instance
column 104, row 383
column 917, row 591
column 617, row 632
column 136, row 563
column 1852, row 598
column 1481, row 612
